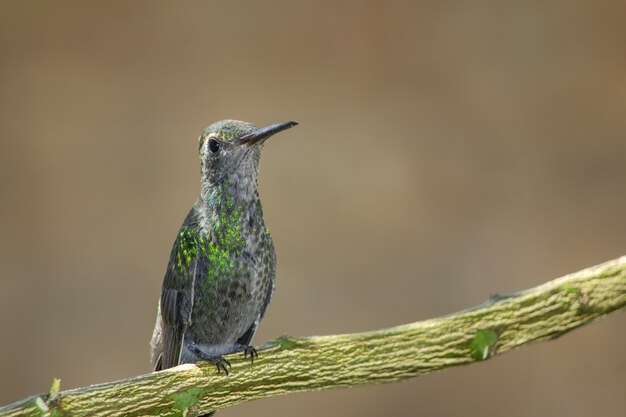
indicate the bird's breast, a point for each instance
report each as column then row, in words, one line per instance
column 236, row 272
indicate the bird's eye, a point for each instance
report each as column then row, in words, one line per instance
column 214, row 145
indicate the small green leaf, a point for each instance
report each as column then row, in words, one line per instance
column 483, row 343
column 287, row 343
column 189, row 398
column 55, row 388
column 41, row 406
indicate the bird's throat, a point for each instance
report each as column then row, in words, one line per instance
column 230, row 209
column 228, row 224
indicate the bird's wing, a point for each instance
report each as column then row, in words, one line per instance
column 156, row 343
column 177, row 295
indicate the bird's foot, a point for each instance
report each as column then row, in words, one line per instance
column 248, row 350
column 215, row 354
column 220, row 363
column 216, row 359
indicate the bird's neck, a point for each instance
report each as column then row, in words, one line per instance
column 227, row 207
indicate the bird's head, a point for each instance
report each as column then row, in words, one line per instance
column 230, row 151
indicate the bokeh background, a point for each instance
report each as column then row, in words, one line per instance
column 446, row 151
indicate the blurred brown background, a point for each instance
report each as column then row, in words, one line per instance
column 446, row 151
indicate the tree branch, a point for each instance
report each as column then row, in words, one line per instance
column 301, row 364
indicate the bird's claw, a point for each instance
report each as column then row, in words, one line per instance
column 221, row 364
column 249, row 350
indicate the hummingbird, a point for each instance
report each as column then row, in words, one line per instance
column 220, row 276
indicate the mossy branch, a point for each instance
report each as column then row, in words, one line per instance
column 300, row 364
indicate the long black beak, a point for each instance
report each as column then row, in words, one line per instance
column 263, row 133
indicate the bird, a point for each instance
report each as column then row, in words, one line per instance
column 220, row 277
